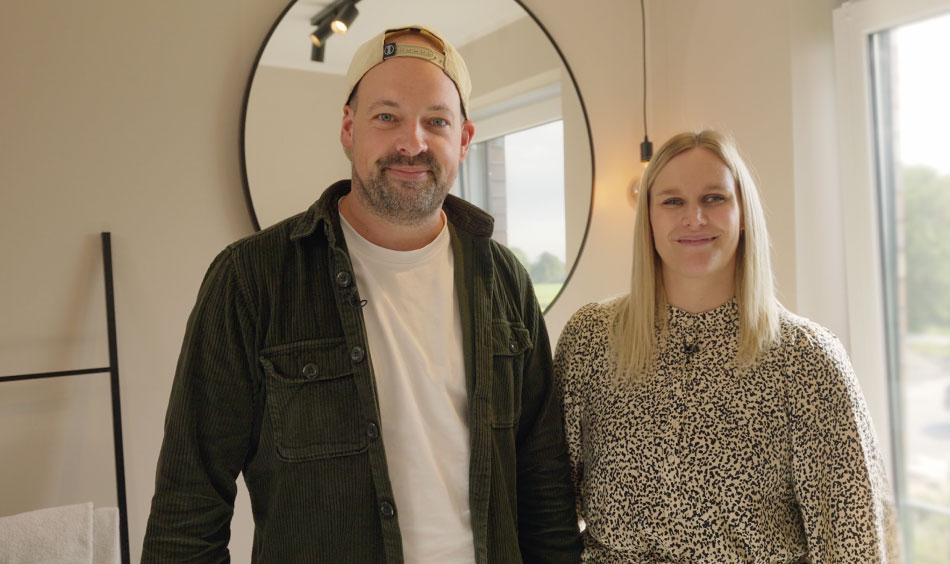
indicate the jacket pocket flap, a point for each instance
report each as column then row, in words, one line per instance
column 509, row 339
column 307, row 361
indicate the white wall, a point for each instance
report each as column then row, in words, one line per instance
column 124, row 116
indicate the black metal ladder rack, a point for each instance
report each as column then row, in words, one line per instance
column 113, row 371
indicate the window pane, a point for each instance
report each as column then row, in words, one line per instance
column 534, row 172
column 519, row 179
column 912, row 118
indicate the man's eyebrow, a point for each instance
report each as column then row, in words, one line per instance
column 384, row 102
column 387, row 103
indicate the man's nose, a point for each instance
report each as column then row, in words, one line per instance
column 412, row 139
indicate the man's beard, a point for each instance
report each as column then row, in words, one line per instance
column 401, row 201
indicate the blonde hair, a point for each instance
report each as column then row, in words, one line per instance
column 635, row 337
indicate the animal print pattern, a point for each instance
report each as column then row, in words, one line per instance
column 705, row 461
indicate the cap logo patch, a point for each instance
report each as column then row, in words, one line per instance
column 391, row 50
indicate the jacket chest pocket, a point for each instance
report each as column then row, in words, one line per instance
column 312, row 400
column 510, row 342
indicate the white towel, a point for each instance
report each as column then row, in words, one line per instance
column 71, row 534
column 105, row 534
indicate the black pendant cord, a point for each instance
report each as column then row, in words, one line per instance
column 113, row 371
column 646, row 147
column 643, row 37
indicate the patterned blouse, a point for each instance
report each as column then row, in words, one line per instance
column 706, row 462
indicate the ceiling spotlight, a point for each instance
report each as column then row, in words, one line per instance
column 344, row 18
column 318, row 36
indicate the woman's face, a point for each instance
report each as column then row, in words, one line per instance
column 696, row 219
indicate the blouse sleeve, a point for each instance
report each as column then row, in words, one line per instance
column 846, row 503
column 569, row 365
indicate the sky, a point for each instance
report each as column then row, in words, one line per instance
column 534, row 174
column 923, row 92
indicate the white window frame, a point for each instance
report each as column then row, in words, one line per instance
column 854, row 23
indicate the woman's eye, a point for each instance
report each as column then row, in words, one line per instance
column 715, row 198
column 672, row 202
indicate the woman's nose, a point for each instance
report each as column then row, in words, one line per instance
column 694, row 216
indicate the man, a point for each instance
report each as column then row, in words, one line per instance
column 377, row 367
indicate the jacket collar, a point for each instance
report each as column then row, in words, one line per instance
column 463, row 215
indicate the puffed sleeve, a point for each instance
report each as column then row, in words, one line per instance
column 569, row 365
column 846, row 503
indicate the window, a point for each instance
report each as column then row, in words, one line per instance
column 521, row 175
column 912, row 164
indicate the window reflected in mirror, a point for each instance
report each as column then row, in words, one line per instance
column 521, row 175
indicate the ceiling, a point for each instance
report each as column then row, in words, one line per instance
column 460, row 21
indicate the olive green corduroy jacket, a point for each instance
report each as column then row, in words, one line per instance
column 275, row 381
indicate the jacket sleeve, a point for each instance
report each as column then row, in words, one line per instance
column 846, row 503
column 547, row 521
column 208, row 427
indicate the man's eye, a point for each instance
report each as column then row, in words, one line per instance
column 385, row 117
column 439, row 122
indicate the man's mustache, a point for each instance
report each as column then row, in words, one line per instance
column 422, row 159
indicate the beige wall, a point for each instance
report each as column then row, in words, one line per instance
column 124, row 116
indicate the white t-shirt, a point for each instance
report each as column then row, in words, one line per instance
column 415, row 339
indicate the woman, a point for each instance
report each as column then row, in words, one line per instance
column 706, row 423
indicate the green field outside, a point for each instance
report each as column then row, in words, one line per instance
column 546, row 291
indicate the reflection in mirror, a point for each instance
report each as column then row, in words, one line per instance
column 530, row 165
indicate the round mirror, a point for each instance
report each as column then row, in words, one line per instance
column 531, row 162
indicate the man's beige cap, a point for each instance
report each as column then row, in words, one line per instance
column 383, row 47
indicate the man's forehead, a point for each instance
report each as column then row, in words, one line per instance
column 398, row 83
column 378, row 90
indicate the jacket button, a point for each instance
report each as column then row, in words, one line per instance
column 513, row 346
column 357, row 354
column 343, row 279
column 387, row 510
column 309, row 371
column 372, row 431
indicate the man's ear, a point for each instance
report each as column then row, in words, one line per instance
column 346, row 130
column 468, row 131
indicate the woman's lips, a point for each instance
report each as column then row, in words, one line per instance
column 696, row 240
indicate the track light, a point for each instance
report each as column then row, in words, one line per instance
column 319, row 36
column 344, row 18
column 316, row 53
column 335, row 17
